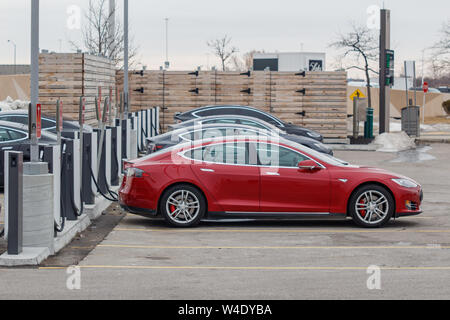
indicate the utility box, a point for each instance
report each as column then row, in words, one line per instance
column 411, row 120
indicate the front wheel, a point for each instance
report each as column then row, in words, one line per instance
column 183, row 206
column 372, row 206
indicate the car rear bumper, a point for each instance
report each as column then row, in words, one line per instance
column 139, row 211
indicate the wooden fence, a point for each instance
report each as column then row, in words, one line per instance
column 70, row 76
column 316, row 100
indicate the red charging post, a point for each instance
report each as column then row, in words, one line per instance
column 425, row 91
column 38, row 121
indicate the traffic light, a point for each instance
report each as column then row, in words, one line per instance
column 390, row 66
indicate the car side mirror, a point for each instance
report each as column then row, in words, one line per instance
column 308, row 165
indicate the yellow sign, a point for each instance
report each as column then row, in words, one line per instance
column 357, row 94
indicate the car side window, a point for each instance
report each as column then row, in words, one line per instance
column 228, row 153
column 16, row 135
column 4, row 135
column 252, row 124
column 226, row 121
column 47, row 123
column 19, row 119
column 217, row 111
column 278, row 156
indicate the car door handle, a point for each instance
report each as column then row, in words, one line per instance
column 207, row 170
column 272, row 174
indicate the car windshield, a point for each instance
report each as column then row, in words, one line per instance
column 320, row 156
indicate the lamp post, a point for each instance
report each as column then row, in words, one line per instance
column 34, row 92
column 125, row 64
column 15, row 55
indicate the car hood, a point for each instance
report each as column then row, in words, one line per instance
column 309, row 142
column 378, row 172
column 293, row 129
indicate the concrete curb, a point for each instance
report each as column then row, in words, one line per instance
column 101, row 204
column 72, row 228
column 29, row 257
column 35, row 256
column 440, row 140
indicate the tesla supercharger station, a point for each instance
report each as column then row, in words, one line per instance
column 115, row 162
column 133, row 140
column 52, row 156
column 13, row 201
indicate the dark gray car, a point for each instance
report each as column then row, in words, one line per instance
column 14, row 137
column 249, row 112
column 48, row 122
column 213, row 130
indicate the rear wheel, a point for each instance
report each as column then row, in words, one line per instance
column 372, row 206
column 183, row 206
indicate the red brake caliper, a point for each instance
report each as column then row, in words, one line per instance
column 172, row 208
column 363, row 212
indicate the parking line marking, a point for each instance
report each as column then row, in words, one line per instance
column 276, row 231
column 268, row 247
column 251, row 268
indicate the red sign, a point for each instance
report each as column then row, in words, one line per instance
column 60, row 116
column 38, row 121
column 425, row 87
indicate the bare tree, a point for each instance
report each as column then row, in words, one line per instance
column 441, row 52
column 245, row 62
column 99, row 39
column 360, row 43
column 222, row 49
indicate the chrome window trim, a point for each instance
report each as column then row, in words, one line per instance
column 26, row 116
column 272, row 134
column 239, row 107
column 181, row 154
column 15, row 130
column 231, row 117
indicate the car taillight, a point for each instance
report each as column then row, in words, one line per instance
column 135, row 173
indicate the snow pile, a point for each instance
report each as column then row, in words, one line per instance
column 9, row 104
column 394, row 142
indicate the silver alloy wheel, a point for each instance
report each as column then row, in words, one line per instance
column 372, row 207
column 182, row 206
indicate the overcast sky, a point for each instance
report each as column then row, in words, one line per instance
column 282, row 25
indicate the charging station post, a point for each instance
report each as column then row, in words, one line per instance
column 14, row 201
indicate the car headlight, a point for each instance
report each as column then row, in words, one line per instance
column 405, row 183
column 313, row 134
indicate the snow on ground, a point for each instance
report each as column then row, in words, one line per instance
column 10, row 104
column 394, row 142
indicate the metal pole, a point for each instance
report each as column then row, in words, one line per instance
column 112, row 22
column 424, row 101
column 406, row 84
column 34, row 92
column 167, row 39
column 385, row 91
column 414, row 85
column 15, row 55
column 125, row 55
column 355, row 118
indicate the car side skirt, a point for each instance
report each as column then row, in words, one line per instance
column 277, row 215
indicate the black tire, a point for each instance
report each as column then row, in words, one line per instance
column 193, row 195
column 361, row 196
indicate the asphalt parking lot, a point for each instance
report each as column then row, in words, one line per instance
column 143, row 259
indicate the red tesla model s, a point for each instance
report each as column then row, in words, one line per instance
column 238, row 177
